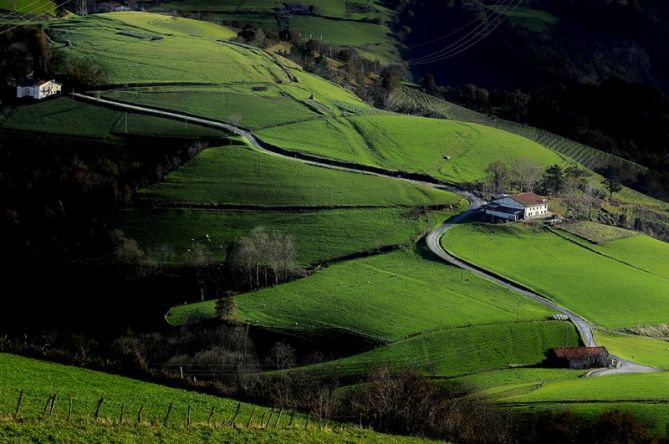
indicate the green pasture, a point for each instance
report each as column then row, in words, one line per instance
column 454, row 151
column 461, row 351
column 84, row 388
column 597, row 233
column 130, row 48
column 330, row 8
column 29, row 7
column 644, row 350
column 513, row 377
column 641, row 387
column 63, row 116
column 389, row 296
column 600, row 288
column 167, row 234
column 238, row 175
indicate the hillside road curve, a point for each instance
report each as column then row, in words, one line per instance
column 433, row 239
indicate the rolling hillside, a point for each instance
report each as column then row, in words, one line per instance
column 590, row 283
column 78, row 392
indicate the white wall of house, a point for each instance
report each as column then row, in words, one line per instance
column 536, row 211
column 39, row 91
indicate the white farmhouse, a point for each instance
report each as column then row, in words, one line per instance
column 38, row 89
column 517, row 207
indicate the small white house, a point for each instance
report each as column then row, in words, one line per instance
column 38, row 89
column 517, row 207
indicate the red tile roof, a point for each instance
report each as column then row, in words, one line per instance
column 528, row 199
column 579, row 353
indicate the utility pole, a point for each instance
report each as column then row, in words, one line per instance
column 82, row 7
column 126, row 122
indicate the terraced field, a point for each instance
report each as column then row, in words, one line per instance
column 28, row 7
column 461, row 351
column 454, row 151
column 84, row 388
column 64, row 117
column 364, row 30
column 224, row 193
column 168, row 234
column 390, row 296
column 238, row 175
column 593, row 285
column 588, row 156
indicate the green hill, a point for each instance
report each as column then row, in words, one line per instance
column 454, row 151
column 603, row 289
column 461, row 351
column 82, row 389
column 390, row 296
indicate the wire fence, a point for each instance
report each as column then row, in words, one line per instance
column 25, row 405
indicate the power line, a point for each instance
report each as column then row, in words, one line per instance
column 481, row 26
column 24, row 16
column 437, row 39
column 472, row 39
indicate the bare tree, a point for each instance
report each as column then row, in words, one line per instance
column 526, row 173
column 498, row 176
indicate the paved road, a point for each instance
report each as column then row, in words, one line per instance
column 433, row 239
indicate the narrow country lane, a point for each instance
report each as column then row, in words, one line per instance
column 433, row 239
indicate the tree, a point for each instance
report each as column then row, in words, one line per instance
column 526, row 173
column 498, row 176
column 612, row 181
column 225, row 308
column 553, row 179
column 429, row 83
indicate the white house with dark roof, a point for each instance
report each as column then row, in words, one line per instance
column 38, row 89
column 517, row 207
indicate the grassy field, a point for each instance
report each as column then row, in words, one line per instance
column 600, row 288
column 29, row 7
column 516, row 376
column 597, row 233
column 646, row 387
column 372, row 40
column 39, row 380
column 134, row 47
column 64, row 117
column 389, row 296
column 461, row 351
column 319, row 235
column 458, row 152
column 645, row 350
column 241, row 176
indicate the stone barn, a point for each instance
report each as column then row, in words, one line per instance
column 578, row 357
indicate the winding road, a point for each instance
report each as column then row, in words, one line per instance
column 433, row 239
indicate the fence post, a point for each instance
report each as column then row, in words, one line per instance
column 278, row 418
column 211, row 414
column 46, row 406
column 97, row 408
column 262, row 418
column 234, row 417
column 53, row 404
column 292, row 416
column 248, row 423
column 271, row 413
column 120, row 417
column 139, row 414
column 167, row 415
column 188, row 417
column 18, row 404
column 69, row 409
column 306, row 424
